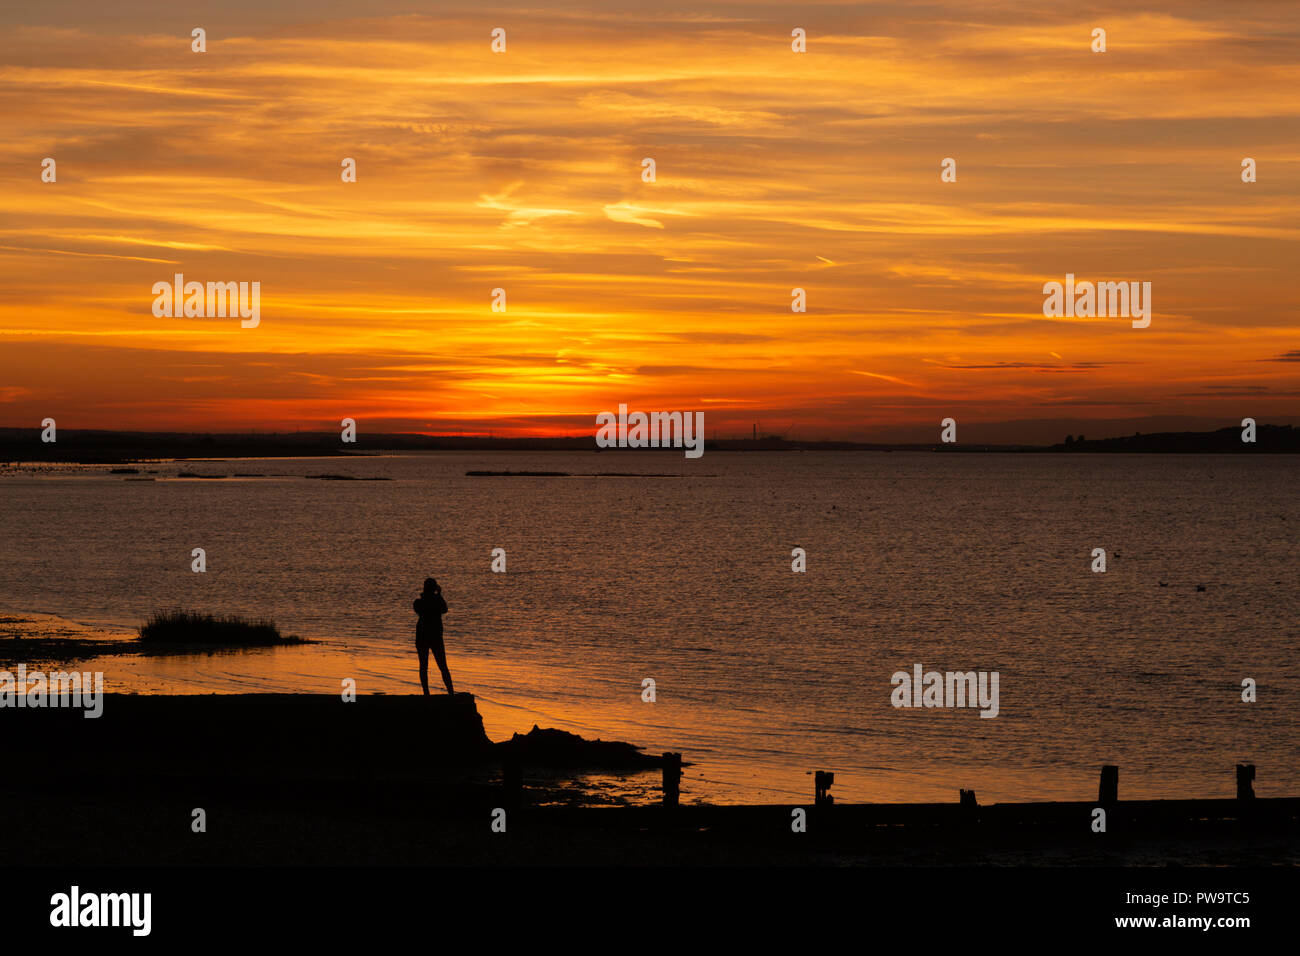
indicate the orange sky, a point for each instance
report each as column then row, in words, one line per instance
column 522, row 170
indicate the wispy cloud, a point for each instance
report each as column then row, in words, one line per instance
column 522, row 171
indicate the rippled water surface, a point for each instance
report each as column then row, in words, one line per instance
column 953, row 561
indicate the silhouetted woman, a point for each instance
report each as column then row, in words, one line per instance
column 428, row 633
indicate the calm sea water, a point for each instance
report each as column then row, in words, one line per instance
column 954, row 561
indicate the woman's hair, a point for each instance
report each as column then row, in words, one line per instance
column 430, row 584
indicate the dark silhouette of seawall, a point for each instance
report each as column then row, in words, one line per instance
column 309, row 779
column 254, row 738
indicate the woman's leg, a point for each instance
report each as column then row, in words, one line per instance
column 440, row 655
column 424, row 667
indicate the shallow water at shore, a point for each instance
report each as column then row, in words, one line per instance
column 957, row 562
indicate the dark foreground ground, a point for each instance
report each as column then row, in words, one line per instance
column 363, row 826
column 309, row 779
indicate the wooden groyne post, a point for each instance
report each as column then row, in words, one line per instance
column 1108, row 792
column 672, row 779
column 1245, row 781
column 822, row 780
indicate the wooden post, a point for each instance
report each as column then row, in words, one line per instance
column 1108, row 793
column 969, row 809
column 1245, row 781
column 672, row 779
column 822, row 781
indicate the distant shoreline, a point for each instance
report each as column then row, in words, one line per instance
column 110, row 447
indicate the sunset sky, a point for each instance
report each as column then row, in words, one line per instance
column 775, row 170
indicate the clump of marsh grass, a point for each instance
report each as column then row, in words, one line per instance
column 191, row 627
